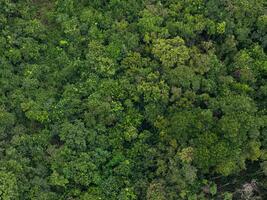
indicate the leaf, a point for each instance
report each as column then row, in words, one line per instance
column 213, row 189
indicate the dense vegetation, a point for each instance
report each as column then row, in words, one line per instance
column 133, row 99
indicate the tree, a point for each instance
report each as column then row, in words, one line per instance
column 8, row 185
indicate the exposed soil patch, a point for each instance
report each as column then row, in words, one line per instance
column 43, row 8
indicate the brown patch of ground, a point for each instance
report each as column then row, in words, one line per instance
column 43, row 7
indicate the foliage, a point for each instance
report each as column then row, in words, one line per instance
column 127, row 100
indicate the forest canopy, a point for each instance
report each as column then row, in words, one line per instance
column 133, row 99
